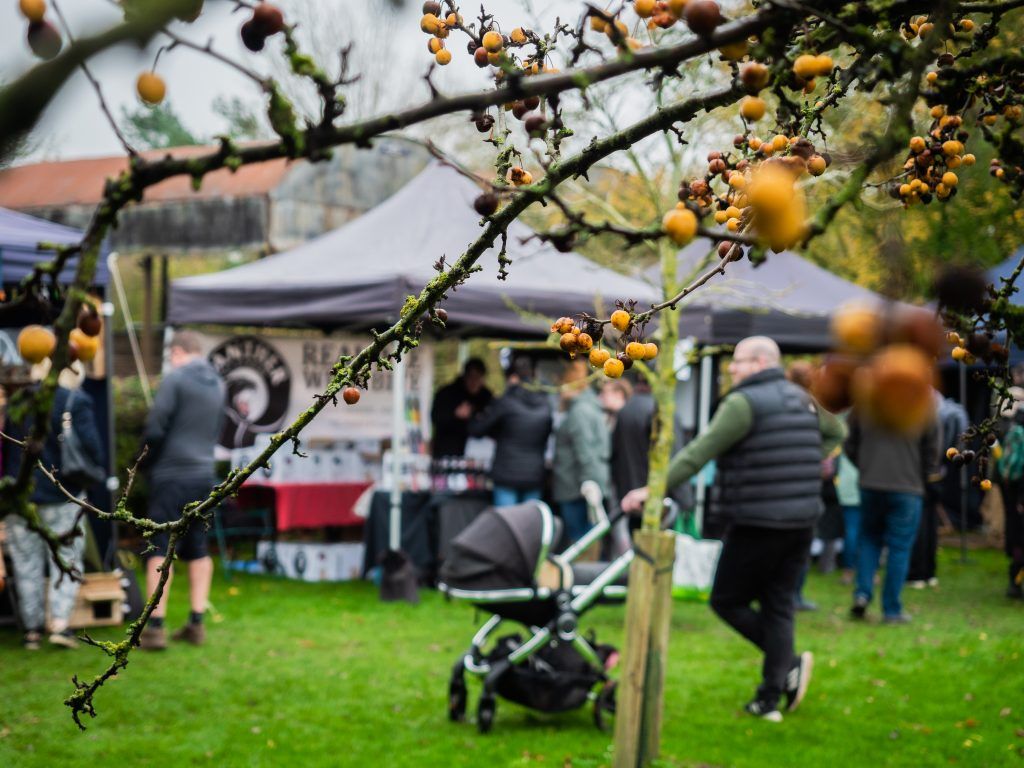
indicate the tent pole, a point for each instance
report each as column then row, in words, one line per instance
column 107, row 310
column 962, row 376
column 703, row 417
column 397, row 440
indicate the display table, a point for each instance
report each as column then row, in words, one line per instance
column 429, row 522
column 305, row 505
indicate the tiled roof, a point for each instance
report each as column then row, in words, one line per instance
column 80, row 182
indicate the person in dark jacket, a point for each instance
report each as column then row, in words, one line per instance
column 29, row 553
column 769, row 438
column 582, row 451
column 455, row 404
column 894, row 471
column 519, row 422
column 181, row 433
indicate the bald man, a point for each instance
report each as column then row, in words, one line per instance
column 769, row 437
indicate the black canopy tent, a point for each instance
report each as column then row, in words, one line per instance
column 20, row 237
column 358, row 276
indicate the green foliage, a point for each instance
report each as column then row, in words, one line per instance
column 244, row 123
column 156, row 127
column 327, row 675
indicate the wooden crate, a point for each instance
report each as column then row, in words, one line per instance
column 100, row 601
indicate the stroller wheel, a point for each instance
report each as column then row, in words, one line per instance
column 457, row 699
column 604, row 707
column 485, row 713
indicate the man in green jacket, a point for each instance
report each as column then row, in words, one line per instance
column 769, row 437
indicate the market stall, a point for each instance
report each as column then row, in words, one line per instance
column 357, row 277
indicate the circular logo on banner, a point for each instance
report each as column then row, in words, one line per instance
column 258, row 388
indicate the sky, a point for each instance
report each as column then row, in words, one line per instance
column 390, row 48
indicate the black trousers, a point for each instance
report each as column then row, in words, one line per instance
column 926, row 543
column 762, row 565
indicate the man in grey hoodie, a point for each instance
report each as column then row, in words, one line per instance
column 894, row 468
column 181, row 433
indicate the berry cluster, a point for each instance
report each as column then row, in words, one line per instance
column 585, row 336
column 36, row 343
column 929, row 167
column 883, row 363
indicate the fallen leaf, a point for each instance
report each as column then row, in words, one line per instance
column 1005, row 712
column 968, row 697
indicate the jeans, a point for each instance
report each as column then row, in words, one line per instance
column 509, row 497
column 762, row 565
column 574, row 518
column 888, row 519
column 851, row 535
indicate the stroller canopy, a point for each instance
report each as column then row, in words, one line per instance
column 498, row 550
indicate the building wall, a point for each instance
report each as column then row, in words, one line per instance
column 314, row 198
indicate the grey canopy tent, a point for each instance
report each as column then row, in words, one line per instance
column 357, row 277
column 787, row 298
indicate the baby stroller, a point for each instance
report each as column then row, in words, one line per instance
column 503, row 563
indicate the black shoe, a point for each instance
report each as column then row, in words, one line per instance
column 764, row 710
column 1015, row 592
column 798, row 679
column 859, row 607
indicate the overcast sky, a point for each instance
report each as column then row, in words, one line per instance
column 390, row 48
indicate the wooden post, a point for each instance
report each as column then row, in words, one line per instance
column 147, row 311
column 648, row 611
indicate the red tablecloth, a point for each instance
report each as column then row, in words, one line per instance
column 306, row 505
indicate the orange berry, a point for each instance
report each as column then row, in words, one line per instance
column 806, row 66
column 613, row 368
column 36, row 343
column 650, row 350
column 518, row 36
column 680, row 225
column 752, row 108
column 644, row 8
column 492, row 41
column 430, row 23
column 151, row 88
column 350, row 395
column 986, row 484
column 816, row 165
column 443, row 57
column 620, row 320
column 598, row 357
column 435, row 44
column 33, row 10
column 87, row 346
column 584, row 341
column 636, row 350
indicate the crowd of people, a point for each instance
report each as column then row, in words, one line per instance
column 791, row 479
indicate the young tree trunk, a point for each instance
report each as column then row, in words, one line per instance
column 648, row 604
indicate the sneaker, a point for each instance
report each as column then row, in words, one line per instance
column 191, row 633
column 153, row 639
column 917, row 584
column 31, row 640
column 806, row 605
column 764, row 710
column 933, row 582
column 64, row 639
column 897, row 618
column 798, row 679
column 859, row 607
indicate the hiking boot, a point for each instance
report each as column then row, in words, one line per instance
column 31, row 640
column 859, row 607
column 191, row 633
column 64, row 639
column 897, row 618
column 153, row 639
column 764, row 710
column 798, row 679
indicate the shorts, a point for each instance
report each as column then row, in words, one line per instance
column 166, row 500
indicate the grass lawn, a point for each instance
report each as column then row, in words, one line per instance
column 325, row 675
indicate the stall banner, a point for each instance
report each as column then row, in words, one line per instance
column 272, row 379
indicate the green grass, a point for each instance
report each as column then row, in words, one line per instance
column 325, row 675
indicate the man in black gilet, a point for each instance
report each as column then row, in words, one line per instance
column 769, row 438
